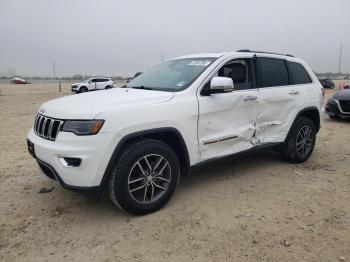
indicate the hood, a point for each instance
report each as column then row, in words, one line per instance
column 80, row 83
column 342, row 94
column 89, row 105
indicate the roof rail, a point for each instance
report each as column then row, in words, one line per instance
column 261, row 52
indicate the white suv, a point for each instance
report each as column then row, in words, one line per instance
column 92, row 84
column 136, row 141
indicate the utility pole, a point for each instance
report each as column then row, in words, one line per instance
column 54, row 69
column 161, row 57
column 340, row 56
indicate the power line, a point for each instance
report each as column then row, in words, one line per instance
column 340, row 56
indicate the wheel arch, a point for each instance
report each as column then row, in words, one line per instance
column 169, row 135
column 312, row 113
column 83, row 86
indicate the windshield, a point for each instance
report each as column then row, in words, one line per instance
column 174, row 75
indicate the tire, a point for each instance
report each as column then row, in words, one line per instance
column 108, row 87
column 135, row 190
column 83, row 89
column 297, row 149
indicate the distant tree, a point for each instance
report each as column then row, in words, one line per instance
column 78, row 77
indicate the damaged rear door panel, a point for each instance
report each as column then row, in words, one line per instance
column 277, row 100
column 285, row 88
column 276, row 110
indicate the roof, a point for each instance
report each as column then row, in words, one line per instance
column 238, row 53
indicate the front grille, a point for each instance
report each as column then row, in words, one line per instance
column 345, row 105
column 47, row 127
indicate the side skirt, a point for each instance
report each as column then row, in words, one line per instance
column 248, row 151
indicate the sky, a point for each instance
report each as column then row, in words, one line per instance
column 112, row 37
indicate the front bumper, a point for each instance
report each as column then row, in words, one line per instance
column 94, row 152
column 333, row 108
column 75, row 88
column 50, row 172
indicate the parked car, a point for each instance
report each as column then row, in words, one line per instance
column 135, row 142
column 17, row 80
column 338, row 104
column 92, row 84
column 327, row 83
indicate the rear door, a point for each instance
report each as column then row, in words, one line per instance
column 101, row 83
column 279, row 101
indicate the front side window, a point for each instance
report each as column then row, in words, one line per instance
column 298, row 74
column 239, row 70
column 174, row 75
column 271, row 72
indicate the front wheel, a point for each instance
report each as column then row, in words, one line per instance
column 300, row 141
column 145, row 177
column 83, row 89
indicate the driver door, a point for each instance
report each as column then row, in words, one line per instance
column 227, row 120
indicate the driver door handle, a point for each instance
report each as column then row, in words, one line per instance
column 250, row 98
column 293, row 92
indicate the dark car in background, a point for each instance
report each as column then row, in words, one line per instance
column 338, row 104
column 326, row 82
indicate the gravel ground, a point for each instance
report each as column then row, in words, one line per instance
column 249, row 208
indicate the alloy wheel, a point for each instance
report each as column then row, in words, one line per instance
column 149, row 178
column 304, row 141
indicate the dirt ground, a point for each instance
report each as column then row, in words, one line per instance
column 251, row 208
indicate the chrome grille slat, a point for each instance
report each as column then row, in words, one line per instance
column 45, row 127
column 50, row 129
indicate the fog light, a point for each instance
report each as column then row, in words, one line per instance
column 70, row 161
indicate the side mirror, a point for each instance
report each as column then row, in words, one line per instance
column 221, row 85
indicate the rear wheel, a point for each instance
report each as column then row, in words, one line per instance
column 300, row 141
column 83, row 89
column 145, row 177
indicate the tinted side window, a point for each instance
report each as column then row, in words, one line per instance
column 297, row 74
column 93, row 80
column 272, row 72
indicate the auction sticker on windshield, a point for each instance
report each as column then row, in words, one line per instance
column 199, row 63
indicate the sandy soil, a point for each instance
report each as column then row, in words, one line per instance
column 251, row 208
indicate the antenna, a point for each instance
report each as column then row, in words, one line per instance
column 340, row 56
column 54, row 69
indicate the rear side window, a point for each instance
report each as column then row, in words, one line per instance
column 271, row 72
column 297, row 74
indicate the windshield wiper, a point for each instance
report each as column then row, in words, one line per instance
column 143, row 87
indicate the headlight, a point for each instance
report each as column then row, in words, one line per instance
column 83, row 127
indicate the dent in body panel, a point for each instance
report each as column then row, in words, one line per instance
column 226, row 123
column 275, row 108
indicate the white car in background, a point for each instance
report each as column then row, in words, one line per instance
column 92, row 84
